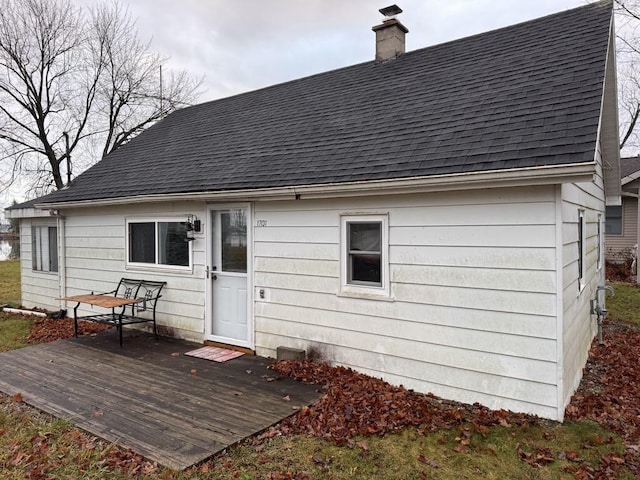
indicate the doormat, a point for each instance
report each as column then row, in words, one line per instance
column 215, row 353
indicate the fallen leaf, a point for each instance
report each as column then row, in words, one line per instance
column 193, row 371
column 572, row 456
column 286, row 398
column 320, row 460
column 17, row 397
column 175, row 354
column 462, row 449
column 363, row 445
column 541, row 458
column 505, row 423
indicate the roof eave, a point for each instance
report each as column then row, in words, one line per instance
column 517, row 177
column 30, row 212
column 630, row 178
column 608, row 129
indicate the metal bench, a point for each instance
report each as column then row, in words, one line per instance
column 133, row 301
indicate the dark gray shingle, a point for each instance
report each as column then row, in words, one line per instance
column 629, row 165
column 522, row 96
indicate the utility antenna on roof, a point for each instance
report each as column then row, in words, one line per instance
column 161, row 93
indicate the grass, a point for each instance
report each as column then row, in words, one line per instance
column 14, row 330
column 10, row 282
column 411, row 455
column 37, row 445
column 35, row 440
column 625, row 305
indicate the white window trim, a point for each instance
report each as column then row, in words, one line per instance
column 582, row 237
column 37, row 227
column 600, row 241
column 155, row 266
column 382, row 292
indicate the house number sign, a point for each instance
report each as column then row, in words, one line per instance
column 261, row 223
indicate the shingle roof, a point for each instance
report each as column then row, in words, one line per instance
column 522, row 96
column 629, row 165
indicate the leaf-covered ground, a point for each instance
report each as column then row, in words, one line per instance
column 355, row 406
column 46, row 330
column 358, row 405
column 609, row 393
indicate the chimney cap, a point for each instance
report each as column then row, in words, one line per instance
column 391, row 10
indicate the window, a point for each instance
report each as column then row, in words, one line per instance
column 580, row 249
column 364, row 266
column 599, row 266
column 364, row 254
column 161, row 243
column 613, row 221
column 44, row 248
column 234, row 240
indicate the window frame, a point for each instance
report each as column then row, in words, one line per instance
column 581, row 249
column 52, row 249
column 621, row 217
column 349, row 288
column 600, row 242
column 156, row 265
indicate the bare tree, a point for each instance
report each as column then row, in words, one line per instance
column 628, row 59
column 68, row 76
column 132, row 92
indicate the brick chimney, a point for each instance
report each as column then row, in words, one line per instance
column 389, row 35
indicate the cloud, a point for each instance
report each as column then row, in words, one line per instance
column 247, row 44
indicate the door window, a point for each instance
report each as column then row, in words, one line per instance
column 234, row 240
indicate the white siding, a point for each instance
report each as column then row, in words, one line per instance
column 578, row 326
column 619, row 247
column 473, row 285
column 484, row 300
column 39, row 289
column 95, row 249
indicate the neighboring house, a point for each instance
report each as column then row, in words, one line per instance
column 622, row 220
column 434, row 217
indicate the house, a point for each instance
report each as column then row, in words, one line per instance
column 434, row 217
column 622, row 220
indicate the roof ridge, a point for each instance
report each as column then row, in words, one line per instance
column 598, row 3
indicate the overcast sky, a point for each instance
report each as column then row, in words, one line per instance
column 241, row 45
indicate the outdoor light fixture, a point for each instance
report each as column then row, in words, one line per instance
column 193, row 225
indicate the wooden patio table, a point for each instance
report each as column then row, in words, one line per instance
column 104, row 301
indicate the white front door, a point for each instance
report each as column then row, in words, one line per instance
column 228, row 283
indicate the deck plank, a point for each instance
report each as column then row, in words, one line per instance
column 144, row 396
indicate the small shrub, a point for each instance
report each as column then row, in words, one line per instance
column 620, row 265
column 619, row 272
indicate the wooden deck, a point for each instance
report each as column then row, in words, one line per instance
column 145, row 397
